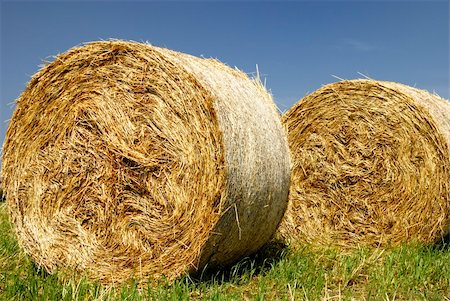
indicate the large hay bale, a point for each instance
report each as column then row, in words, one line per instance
column 370, row 165
column 126, row 159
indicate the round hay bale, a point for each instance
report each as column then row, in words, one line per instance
column 370, row 165
column 123, row 159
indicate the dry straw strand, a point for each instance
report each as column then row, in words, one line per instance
column 370, row 165
column 123, row 159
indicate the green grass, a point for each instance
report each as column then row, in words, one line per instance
column 411, row 272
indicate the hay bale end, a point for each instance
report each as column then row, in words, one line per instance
column 370, row 165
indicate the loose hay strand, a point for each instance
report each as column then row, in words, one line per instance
column 370, row 165
column 118, row 161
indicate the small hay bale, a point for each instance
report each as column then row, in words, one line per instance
column 370, row 165
column 123, row 159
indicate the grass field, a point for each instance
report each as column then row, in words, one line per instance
column 410, row 272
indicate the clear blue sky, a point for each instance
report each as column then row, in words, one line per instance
column 297, row 45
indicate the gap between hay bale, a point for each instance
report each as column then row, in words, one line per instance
column 124, row 159
column 370, row 165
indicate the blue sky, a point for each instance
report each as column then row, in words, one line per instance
column 298, row 46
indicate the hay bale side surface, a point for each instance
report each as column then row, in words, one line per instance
column 248, row 143
column 370, row 165
column 123, row 159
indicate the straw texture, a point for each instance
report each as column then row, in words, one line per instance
column 124, row 159
column 370, row 165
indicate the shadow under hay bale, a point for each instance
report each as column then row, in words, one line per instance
column 258, row 263
column 2, row 194
column 126, row 159
column 370, row 165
